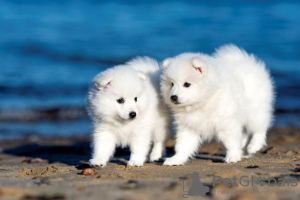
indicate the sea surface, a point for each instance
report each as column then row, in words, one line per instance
column 51, row 49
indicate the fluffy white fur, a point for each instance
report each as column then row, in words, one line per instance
column 137, row 82
column 230, row 98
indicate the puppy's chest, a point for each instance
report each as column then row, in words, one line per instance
column 124, row 135
column 197, row 121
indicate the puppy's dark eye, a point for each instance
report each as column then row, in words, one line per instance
column 186, row 84
column 172, row 84
column 135, row 99
column 120, row 101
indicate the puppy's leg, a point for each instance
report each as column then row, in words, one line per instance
column 104, row 144
column 157, row 151
column 186, row 146
column 232, row 140
column 139, row 147
column 245, row 141
column 258, row 140
column 159, row 140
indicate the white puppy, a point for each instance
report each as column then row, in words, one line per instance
column 127, row 110
column 228, row 96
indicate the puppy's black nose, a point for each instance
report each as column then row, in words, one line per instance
column 132, row 115
column 174, row 98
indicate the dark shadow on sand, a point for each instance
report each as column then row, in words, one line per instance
column 170, row 152
column 75, row 154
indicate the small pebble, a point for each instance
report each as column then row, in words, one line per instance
column 89, row 172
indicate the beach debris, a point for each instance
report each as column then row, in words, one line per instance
column 252, row 167
column 35, row 161
column 89, row 172
column 131, row 184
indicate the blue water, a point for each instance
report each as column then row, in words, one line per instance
column 51, row 49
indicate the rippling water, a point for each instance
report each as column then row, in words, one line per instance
column 50, row 50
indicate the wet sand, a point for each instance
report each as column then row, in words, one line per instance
column 51, row 168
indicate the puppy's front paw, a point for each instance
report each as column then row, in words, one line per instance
column 233, row 158
column 173, row 161
column 97, row 163
column 248, row 156
column 155, row 156
column 138, row 162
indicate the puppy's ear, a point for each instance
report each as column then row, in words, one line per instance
column 198, row 65
column 142, row 76
column 103, row 84
column 166, row 62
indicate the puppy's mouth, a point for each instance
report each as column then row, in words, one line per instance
column 176, row 102
column 179, row 104
column 121, row 119
column 127, row 120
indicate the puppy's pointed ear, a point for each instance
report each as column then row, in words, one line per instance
column 198, row 65
column 166, row 62
column 142, row 76
column 103, row 83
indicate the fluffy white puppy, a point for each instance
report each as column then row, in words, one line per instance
column 127, row 110
column 228, row 96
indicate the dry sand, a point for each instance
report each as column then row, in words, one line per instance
column 51, row 168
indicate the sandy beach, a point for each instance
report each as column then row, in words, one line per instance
column 52, row 168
